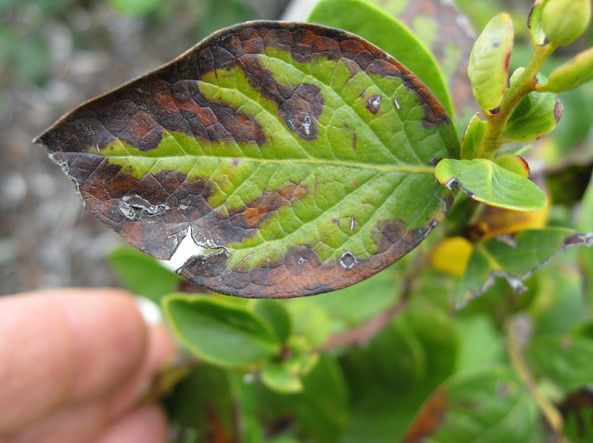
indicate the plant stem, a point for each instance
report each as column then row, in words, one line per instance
column 547, row 408
column 520, row 88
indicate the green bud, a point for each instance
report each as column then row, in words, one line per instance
column 564, row 21
column 514, row 163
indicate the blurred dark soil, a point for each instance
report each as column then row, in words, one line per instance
column 53, row 56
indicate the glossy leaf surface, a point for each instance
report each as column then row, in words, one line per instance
column 485, row 181
column 298, row 157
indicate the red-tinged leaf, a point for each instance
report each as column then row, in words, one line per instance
column 292, row 158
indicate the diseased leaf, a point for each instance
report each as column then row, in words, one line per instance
column 220, row 332
column 485, row 181
column 514, row 259
column 448, row 34
column 488, row 68
column 488, row 406
column 297, row 157
column 364, row 19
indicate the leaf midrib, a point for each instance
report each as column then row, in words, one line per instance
column 312, row 161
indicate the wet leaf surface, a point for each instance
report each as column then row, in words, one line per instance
column 297, row 158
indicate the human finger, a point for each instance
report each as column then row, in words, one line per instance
column 61, row 347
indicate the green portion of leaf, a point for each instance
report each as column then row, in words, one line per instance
column 384, row 403
column 513, row 163
column 142, row 274
column 566, row 360
column 297, row 157
column 485, row 181
column 536, row 115
column 489, row 406
column 203, row 405
column 488, row 68
column 360, row 302
column 134, row 7
column 572, row 74
column 585, row 224
column 220, row 331
column 536, row 30
column 311, row 322
column 470, row 143
column 370, row 22
column 480, row 344
column 280, row 378
column 277, row 316
column 513, row 260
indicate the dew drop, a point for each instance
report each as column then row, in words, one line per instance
column 348, row 260
column 374, row 103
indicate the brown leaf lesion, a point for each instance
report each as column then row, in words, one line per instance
column 254, row 213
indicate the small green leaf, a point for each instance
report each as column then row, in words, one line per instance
column 220, row 331
column 310, row 321
column 470, row 143
column 514, row 259
column 370, row 22
column 534, row 23
column 485, row 181
column 536, row 115
column 570, row 75
column 276, row 315
column 489, row 406
column 489, row 60
column 142, row 274
column 566, row 360
column 280, row 378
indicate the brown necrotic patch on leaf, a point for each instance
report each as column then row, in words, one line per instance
column 254, row 213
column 300, row 271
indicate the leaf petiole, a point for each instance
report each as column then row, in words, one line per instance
column 496, row 121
